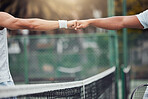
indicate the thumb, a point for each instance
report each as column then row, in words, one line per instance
column 79, row 26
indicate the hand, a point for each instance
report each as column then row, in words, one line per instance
column 72, row 24
column 82, row 24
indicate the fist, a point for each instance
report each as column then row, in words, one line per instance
column 72, row 24
column 82, row 24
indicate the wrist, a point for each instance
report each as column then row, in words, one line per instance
column 68, row 24
column 63, row 24
column 90, row 21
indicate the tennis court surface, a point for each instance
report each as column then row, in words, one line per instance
column 100, row 86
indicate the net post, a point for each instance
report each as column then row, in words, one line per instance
column 110, row 41
column 125, row 74
column 117, row 65
column 124, row 36
column 114, row 56
column 26, row 62
column 123, row 80
column 124, row 6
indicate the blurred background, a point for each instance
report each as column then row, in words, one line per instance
column 48, row 56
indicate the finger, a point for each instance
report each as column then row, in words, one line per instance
column 76, row 29
column 71, row 24
column 75, row 24
column 79, row 26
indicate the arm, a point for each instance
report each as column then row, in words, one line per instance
column 10, row 22
column 112, row 23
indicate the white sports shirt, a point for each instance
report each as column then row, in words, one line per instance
column 143, row 18
column 4, row 64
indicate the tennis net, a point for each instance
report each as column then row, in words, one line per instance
column 101, row 86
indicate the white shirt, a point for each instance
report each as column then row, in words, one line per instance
column 4, row 64
column 143, row 18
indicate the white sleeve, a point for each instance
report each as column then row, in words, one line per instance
column 143, row 18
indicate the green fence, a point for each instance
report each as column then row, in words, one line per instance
column 57, row 58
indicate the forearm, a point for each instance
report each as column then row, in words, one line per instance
column 113, row 23
column 36, row 24
column 8, row 21
column 116, row 23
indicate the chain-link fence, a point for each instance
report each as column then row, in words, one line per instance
column 60, row 57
